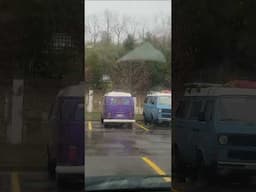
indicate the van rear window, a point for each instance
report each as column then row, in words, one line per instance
column 120, row 101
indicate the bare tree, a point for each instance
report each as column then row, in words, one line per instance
column 119, row 27
column 95, row 28
column 109, row 24
column 131, row 27
column 92, row 28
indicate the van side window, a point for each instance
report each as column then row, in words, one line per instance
column 153, row 100
column 79, row 113
column 182, row 109
column 67, row 109
column 146, row 100
column 209, row 110
column 150, row 99
column 195, row 110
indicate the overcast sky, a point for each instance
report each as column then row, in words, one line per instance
column 140, row 9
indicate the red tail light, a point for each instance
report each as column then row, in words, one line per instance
column 72, row 153
column 242, row 84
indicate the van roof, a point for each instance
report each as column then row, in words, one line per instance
column 73, row 91
column 159, row 94
column 219, row 91
column 118, row 94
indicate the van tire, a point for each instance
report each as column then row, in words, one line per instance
column 145, row 119
column 130, row 125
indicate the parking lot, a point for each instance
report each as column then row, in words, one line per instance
column 142, row 150
column 116, row 151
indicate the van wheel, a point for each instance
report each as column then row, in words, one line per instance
column 129, row 126
column 145, row 119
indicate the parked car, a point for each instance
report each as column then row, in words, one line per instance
column 66, row 143
column 157, row 107
column 118, row 108
column 215, row 130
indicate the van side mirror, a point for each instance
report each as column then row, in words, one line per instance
column 201, row 116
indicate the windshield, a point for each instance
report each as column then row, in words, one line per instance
column 241, row 109
column 164, row 100
column 127, row 60
column 119, row 100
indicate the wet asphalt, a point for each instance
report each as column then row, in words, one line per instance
column 119, row 151
column 115, row 151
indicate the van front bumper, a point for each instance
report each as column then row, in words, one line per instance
column 119, row 121
column 227, row 167
column 161, row 120
column 69, row 169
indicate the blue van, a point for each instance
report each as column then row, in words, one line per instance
column 157, row 107
column 215, row 129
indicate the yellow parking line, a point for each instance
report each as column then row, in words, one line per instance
column 141, row 126
column 90, row 125
column 156, row 168
column 15, row 184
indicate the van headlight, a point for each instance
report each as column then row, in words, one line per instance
column 223, row 139
column 160, row 110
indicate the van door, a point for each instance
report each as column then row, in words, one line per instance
column 150, row 108
column 145, row 108
column 194, row 128
column 209, row 134
column 153, row 109
column 71, row 131
column 182, row 130
column 202, row 128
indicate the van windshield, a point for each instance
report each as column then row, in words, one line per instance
column 119, row 101
column 241, row 109
column 164, row 100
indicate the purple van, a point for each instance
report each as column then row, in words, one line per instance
column 66, row 143
column 118, row 108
